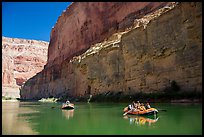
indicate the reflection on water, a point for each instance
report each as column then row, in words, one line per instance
column 12, row 123
column 68, row 113
column 142, row 120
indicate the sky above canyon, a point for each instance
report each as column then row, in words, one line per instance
column 30, row 20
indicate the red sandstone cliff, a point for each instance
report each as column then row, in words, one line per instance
column 147, row 46
column 21, row 60
column 87, row 23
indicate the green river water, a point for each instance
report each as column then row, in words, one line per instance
column 42, row 118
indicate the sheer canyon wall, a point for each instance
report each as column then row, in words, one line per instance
column 121, row 47
column 21, row 60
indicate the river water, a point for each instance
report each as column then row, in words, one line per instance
column 41, row 118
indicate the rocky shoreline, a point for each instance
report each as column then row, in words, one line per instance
column 119, row 97
column 9, row 99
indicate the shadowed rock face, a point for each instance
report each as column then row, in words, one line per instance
column 153, row 51
column 21, row 60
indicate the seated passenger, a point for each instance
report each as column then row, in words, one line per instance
column 67, row 102
column 130, row 107
column 142, row 107
column 148, row 105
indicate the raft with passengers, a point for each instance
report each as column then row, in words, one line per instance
column 67, row 105
column 139, row 109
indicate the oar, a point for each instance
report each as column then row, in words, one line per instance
column 161, row 109
column 55, row 107
column 126, row 112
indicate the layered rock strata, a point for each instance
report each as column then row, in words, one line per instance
column 87, row 23
column 161, row 46
column 21, row 60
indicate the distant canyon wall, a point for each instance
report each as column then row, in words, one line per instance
column 158, row 47
column 21, row 60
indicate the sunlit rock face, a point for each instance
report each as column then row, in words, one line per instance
column 21, row 60
column 87, row 23
column 156, row 47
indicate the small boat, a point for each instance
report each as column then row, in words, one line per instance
column 67, row 106
column 148, row 111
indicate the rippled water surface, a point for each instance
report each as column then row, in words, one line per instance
column 99, row 119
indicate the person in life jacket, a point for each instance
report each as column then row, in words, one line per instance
column 67, row 102
column 130, row 107
column 142, row 107
column 138, row 105
column 148, row 105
